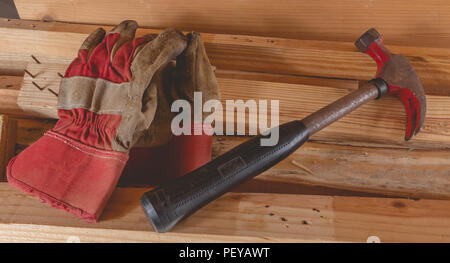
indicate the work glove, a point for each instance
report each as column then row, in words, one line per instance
column 172, row 156
column 105, row 103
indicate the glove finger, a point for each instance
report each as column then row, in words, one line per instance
column 155, row 54
column 126, row 29
column 93, row 40
column 194, row 72
column 148, row 38
column 159, row 132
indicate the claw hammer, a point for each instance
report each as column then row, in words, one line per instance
column 168, row 204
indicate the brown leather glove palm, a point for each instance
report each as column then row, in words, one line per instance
column 172, row 156
column 192, row 72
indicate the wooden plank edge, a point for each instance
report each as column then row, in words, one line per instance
column 33, row 233
column 285, row 56
column 7, row 143
column 236, row 217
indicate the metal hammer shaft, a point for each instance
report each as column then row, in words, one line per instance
column 338, row 109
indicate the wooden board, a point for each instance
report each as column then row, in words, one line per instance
column 409, row 173
column 235, row 217
column 9, row 92
column 245, row 53
column 8, row 130
column 372, row 124
column 405, row 22
column 10, row 82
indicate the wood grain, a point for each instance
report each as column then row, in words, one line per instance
column 30, row 130
column 371, row 124
column 235, row 217
column 409, row 173
column 413, row 22
column 9, row 92
column 271, row 55
column 10, row 82
column 8, row 131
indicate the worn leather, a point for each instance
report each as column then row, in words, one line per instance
column 191, row 72
column 169, row 156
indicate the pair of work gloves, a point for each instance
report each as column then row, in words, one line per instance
column 115, row 95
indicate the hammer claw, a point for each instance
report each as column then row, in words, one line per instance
column 401, row 78
column 411, row 119
column 412, row 108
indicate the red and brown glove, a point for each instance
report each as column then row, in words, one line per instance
column 105, row 105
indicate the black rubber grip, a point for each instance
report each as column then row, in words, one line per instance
column 168, row 204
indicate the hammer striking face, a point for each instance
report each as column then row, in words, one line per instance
column 401, row 79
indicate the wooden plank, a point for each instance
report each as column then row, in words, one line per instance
column 38, row 96
column 31, row 233
column 413, row 22
column 246, row 53
column 409, row 173
column 10, row 82
column 8, row 102
column 268, row 186
column 29, row 131
column 369, row 125
column 346, row 84
column 11, row 65
column 8, row 129
column 234, row 217
column 9, row 92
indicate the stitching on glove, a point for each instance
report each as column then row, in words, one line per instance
column 72, row 145
column 82, row 106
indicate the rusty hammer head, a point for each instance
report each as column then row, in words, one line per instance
column 401, row 79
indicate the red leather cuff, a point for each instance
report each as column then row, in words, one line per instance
column 67, row 174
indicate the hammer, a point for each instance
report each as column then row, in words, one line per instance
column 168, row 204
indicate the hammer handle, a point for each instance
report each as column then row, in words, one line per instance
column 165, row 206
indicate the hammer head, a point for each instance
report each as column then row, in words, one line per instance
column 401, row 78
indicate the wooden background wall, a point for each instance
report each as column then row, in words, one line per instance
column 403, row 22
